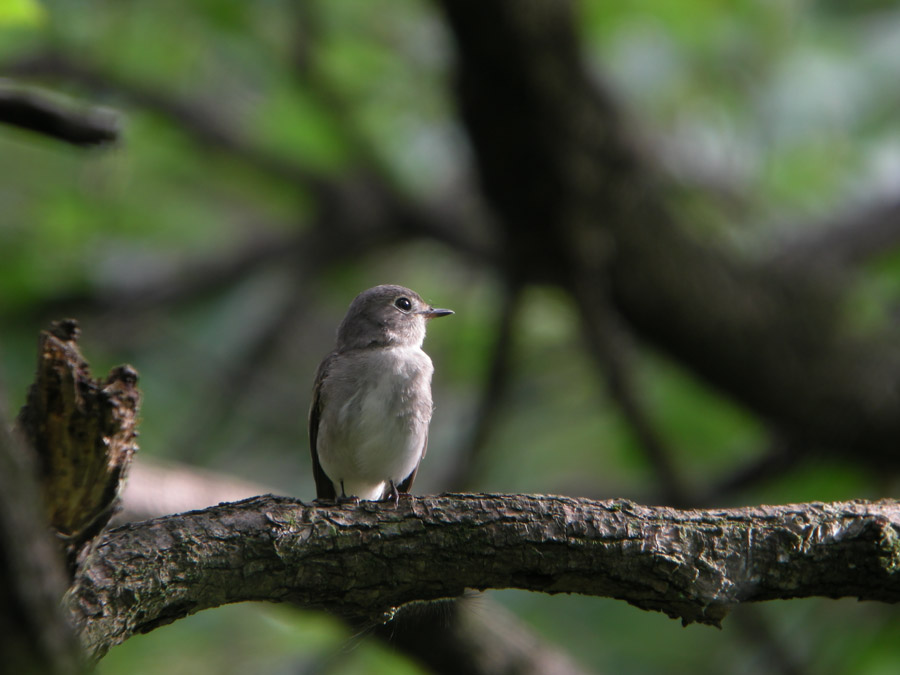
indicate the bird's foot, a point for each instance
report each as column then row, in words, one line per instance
column 393, row 495
column 344, row 499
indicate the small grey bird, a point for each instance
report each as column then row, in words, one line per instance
column 371, row 403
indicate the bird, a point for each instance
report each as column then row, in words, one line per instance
column 371, row 402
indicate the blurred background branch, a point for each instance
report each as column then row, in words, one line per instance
column 34, row 636
column 50, row 116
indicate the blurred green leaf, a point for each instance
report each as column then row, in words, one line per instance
column 17, row 13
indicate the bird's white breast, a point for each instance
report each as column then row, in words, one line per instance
column 375, row 415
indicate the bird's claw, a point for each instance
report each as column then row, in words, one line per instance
column 393, row 495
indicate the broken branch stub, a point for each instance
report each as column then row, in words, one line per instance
column 83, row 431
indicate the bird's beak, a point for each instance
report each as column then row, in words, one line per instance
column 432, row 313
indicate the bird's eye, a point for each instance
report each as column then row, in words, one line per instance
column 403, row 304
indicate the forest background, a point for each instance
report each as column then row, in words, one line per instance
column 660, row 225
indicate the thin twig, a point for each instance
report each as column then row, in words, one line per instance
column 493, row 389
column 607, row 343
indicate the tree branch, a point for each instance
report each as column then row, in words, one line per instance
column 205, row 125
column 365, row 561
column 50, row 115
column 451, row 637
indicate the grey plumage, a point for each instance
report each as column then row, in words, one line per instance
column 371, row 407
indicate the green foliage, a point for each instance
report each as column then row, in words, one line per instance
column 253, row 638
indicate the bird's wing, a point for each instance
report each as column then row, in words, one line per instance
column 406, row 484
column 324, row 486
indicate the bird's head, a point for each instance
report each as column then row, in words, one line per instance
column 385, row 316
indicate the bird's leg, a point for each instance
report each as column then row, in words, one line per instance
column 344, row 499
column 392, row 495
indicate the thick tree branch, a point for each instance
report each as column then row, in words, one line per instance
column 367, row 560
column 472, row 635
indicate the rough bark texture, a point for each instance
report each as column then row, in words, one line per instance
column 83, row 432
column 469, row 635
column 365, row 561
